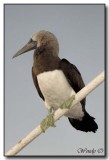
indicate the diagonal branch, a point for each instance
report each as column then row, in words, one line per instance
column 57, row 115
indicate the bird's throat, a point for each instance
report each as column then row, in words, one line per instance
column 45, row 62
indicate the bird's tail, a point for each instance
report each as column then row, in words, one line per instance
column 87, row 124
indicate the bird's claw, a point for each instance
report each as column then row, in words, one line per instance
column 67, row 104
column 48, row 121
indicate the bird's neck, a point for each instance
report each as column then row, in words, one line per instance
column 45, row 62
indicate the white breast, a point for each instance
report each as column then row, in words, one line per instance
column 56, row 89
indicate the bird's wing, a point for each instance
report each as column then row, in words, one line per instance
column 73, row 76
column 36, row 84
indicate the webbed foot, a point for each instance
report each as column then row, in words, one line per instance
column 48, row 121
column 67, row 104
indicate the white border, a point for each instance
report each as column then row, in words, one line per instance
column 55, row 1
column 1, row 82
column 106, row 2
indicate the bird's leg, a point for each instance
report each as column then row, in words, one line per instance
column 48, row 121
column 50, row 111
column 68, row 103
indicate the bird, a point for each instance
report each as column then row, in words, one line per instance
column 56, row 79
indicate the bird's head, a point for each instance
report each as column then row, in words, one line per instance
column 41, row 42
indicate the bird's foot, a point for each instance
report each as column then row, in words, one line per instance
column 67, row 104
column 48, row 121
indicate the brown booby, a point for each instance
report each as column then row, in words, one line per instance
column 57, row 79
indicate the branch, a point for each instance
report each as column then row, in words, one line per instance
column 57, row 115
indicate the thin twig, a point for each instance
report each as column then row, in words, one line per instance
column 57, row 115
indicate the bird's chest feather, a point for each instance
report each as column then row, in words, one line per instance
column 54, row 87
column 56, row 90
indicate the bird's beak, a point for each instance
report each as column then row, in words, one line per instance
column 29, row 46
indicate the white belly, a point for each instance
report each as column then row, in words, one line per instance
column 56, row 90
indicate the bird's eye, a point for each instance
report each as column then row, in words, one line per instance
column 30, row 41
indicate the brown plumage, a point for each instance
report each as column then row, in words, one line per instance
column 47, row 65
